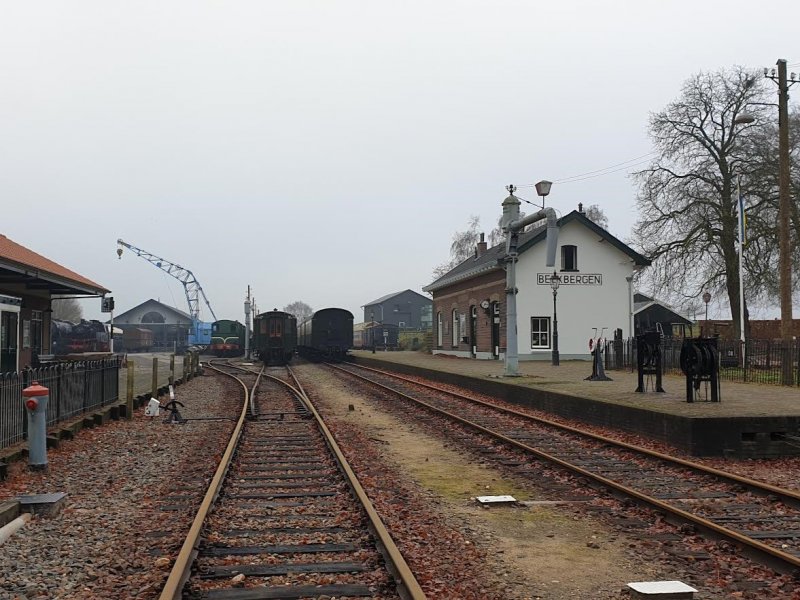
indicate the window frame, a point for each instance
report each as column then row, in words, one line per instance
column 539, row 332
column 573, row 251
column 455, row 338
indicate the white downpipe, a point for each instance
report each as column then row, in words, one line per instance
column 11, row 528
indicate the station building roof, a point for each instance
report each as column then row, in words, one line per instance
column 493, row 258
column 21, row 266
column 383, row 299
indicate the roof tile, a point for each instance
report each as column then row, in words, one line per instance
column 17, row 253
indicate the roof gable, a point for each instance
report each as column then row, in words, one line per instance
column 541, row 233
column 155, row 304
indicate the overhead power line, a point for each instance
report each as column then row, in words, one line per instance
column 615, row 168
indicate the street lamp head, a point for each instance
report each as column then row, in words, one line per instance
column 706, row 297
column 743, row 119
column 555, row 281
column 543, row 188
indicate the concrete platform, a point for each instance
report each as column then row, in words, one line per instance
column 751, row 420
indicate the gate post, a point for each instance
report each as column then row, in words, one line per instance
column 129, row 395
column 154, row 393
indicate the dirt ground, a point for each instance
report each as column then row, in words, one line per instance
column 541, row 550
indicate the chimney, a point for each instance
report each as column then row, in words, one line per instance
column 580, row 207
column 481, row 249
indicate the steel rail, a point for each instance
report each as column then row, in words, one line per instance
column 754, row 484
column 781, row 559
column 408, row 586
column 181, row 569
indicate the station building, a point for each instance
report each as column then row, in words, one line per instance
column 595, row 294
column 28, row 284
column 407, row 309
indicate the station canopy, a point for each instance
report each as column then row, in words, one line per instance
column 23, row 270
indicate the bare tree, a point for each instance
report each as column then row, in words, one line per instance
column 686, row 201
column 462, row 246
column 67, row 309
column 595, row 214
column 299, row 309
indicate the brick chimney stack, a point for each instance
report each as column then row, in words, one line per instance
column 580, row 207
column 481, row 249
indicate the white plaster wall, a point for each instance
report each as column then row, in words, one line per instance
column 580, row 307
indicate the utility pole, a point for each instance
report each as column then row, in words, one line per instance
column 784, row 245
column 247, row 325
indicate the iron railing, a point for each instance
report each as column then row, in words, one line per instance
column 75, row 388
column 763, row 359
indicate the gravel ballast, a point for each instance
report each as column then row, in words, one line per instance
column 132, row 490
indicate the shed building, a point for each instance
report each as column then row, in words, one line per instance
column 170, row 326
column 650, row 314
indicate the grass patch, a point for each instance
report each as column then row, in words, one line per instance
column 464, row 482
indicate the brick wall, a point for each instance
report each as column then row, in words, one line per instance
column 461, row 296
column 759, row 329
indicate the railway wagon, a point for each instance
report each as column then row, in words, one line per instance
column 227, row 338
column 380, row 335
column 275, row 337
column 327, row 334
column 137, row 339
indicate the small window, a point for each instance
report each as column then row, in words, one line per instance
column 439, row 329
column 569, row 258
column 455, row 328
column 540, row 332
column 275, row 328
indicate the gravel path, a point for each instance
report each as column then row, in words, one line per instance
column 133, row 488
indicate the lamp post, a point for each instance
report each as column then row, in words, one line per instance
column 706, row 299
column 555, row 280
column 543, row 189
column 741, row 119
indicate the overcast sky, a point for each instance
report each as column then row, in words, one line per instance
column 326, row 151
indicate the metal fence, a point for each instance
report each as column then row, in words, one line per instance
column 763, row 359
column 75, row 388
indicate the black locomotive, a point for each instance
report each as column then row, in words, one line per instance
column 327, row 334
column 275, row 337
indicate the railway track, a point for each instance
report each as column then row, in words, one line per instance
column 284, row 516
column 761, row 519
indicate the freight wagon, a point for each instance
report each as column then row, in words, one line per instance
column 327, row 334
